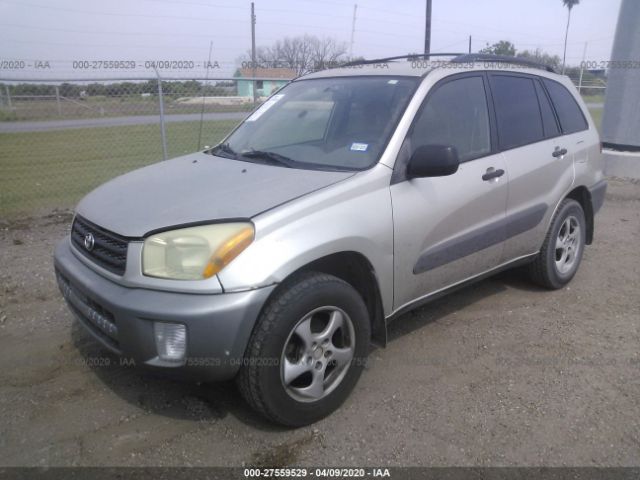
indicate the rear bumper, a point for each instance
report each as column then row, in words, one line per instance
column 121, row 318
column 598, row 192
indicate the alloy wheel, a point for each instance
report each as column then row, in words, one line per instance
column 317, row 354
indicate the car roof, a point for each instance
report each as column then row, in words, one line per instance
column 421, row 67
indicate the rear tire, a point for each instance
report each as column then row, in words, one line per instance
column 307, row 350
column 563, row 246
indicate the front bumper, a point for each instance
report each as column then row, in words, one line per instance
column 121, row 318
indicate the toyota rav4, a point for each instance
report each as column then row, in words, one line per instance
column 350, row 196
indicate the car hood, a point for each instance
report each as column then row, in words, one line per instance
column 196, row 188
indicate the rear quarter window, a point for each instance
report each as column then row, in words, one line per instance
column 549, row 123
column 569, row 113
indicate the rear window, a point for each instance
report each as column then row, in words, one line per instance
column 569, row 113
column 517, row 111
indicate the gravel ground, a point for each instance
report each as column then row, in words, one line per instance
column 501, row 373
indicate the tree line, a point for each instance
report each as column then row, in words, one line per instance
column 505, row 47
column 303, row 54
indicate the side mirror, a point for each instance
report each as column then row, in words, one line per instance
column 433, row 161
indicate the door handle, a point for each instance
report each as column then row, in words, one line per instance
column 491, row 174
column 559, row 152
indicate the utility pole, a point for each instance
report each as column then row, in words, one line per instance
column 469, row 43
column 353, row 30
column 163, row 131
column 6, row 89
column 204, row 86
column 58, row 101
column 584, row 55
column 253, row 53
column 427, row 30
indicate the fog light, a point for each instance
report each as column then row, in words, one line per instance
column 171, row 341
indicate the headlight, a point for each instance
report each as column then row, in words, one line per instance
column 195, row 253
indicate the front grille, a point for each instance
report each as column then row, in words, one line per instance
column 108, row 250
column 92, row 315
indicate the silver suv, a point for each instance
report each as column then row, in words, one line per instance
column 350, row 196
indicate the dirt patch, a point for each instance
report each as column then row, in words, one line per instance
column 283, row 454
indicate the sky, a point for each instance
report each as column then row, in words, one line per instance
column 46, row 37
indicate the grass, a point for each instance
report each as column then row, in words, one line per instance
column 54, row 169
column 7, row 116
column 597, row 98
column 596, row 114
column 99, row 107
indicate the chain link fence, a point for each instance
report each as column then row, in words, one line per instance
column 60, row 140
column 591, row 84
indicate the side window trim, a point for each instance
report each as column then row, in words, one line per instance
column 493, row 119
column 540, row 83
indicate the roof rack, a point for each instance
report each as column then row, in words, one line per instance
column 484, row 57
column 400, row 57
column 459, row 58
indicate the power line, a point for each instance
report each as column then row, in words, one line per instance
column 199, row 19
column 388, row 22
column 265, row 9
column 315, row 27
column 328, row 2
column 392, row 12
column 315, row 14
column 198, row 3
column 104, row 32
column 112, row 14
column 41, row 42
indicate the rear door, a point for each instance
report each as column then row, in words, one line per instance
column 576, row 137
column 447, row 229
column 539, row 161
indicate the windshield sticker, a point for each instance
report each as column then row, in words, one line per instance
column 359, row 147
column 392, row 82
column 264, row 107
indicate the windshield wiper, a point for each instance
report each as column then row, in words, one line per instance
column 225, row 150
column 272, row 157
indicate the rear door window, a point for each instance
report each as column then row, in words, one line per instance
column 517, row 111
column 569, row 113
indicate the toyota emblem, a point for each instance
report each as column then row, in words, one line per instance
column 89, row 241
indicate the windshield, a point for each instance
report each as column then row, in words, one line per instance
column 330, row 123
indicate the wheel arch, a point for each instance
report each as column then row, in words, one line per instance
column 582, row 195
column 355, row 269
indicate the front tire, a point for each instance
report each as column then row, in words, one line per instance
column 562, row 250
column 307, row 350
